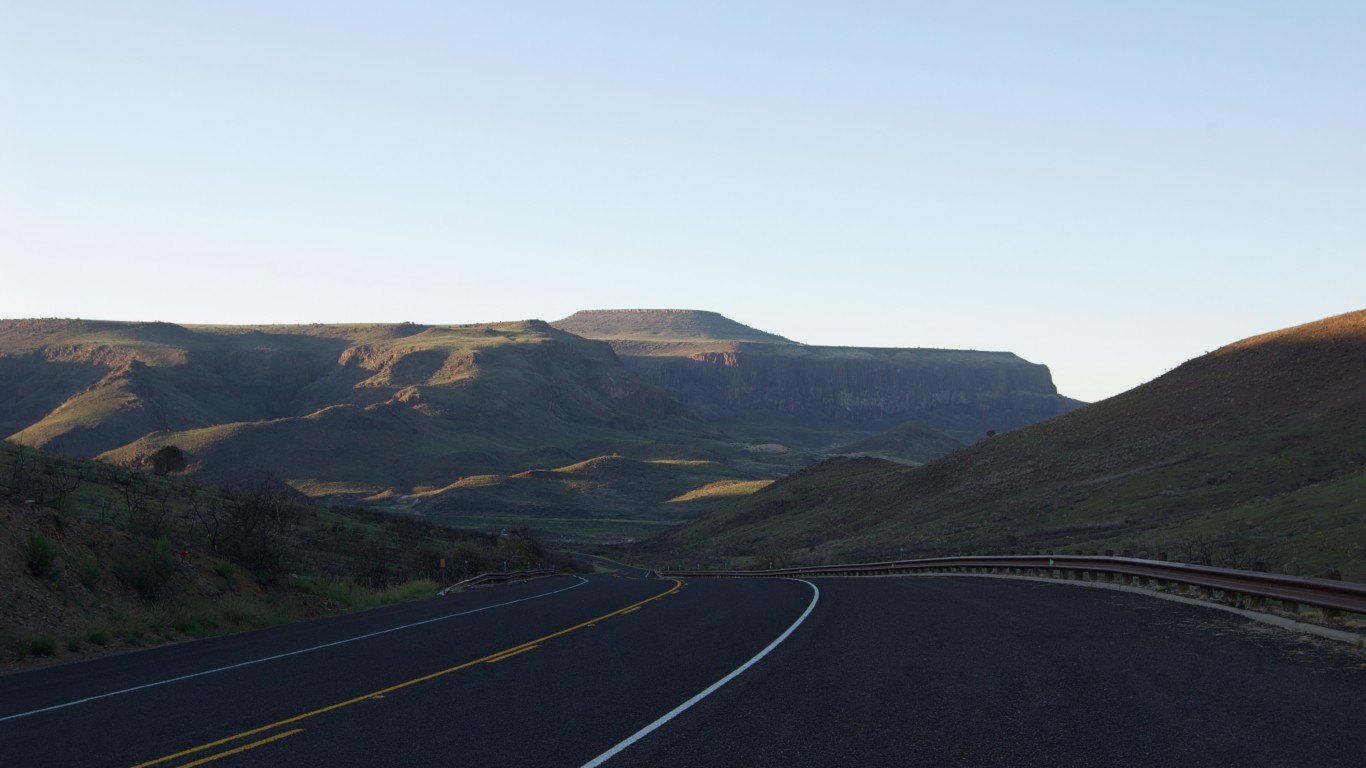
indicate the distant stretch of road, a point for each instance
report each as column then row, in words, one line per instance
column 620, row 670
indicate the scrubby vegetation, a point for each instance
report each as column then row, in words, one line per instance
column 102, row 555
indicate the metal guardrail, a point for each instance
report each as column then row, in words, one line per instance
column 497, row 578
column 1254, row 587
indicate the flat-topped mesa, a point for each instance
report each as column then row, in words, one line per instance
column 681, row 325
column 741, row 378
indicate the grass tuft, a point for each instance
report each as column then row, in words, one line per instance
column 36, row 645
column 240, row 614
column 90, row 573
column 41, row 554
column 349, row 594
column 223, row 568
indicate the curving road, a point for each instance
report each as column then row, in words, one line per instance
column 608, row 670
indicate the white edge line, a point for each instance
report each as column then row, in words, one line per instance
column 676, row 711
column 96, row 697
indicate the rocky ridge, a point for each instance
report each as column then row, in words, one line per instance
column 750, row 381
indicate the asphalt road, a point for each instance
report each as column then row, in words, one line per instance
column 564, row 671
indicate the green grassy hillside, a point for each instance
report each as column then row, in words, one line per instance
column 1253, row 454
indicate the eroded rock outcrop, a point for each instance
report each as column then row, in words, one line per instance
column 740, row 378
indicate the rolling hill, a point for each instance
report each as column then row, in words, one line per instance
column 468, row 421
column 330, row 409
column 1253, row 455
column 908, row 443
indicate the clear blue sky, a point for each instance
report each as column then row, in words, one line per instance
column 1108, row 188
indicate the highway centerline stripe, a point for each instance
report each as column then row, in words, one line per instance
column 276, row 657
column 385, row 691
column 511, row 653
column 243, row 748
column 676, row 711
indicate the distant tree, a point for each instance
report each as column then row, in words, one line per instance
column 257, row 521
column 166, row 459
column 991, row 433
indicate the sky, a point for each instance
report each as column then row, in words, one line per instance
column 1106, row 188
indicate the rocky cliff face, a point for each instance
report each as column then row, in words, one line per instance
column 723, row 374
column 963, row 393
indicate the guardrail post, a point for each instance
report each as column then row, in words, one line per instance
column 1336, row 575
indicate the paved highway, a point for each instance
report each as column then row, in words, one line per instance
column 608, row 670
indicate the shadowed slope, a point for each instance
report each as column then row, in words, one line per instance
column 1254, row 452
column 352, row 409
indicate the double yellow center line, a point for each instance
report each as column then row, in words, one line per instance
column 502, row 655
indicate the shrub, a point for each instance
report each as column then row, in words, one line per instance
column 37, row 645
column 149, row 571
column 90, row 573
column 195, row 623
column 344, row 592
column 349, row 594
column 98, row 636
column 242, row 614
column 41, row 553
column 159, row 621
column 402, row 593
column 223, row 568
column 130, row 631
